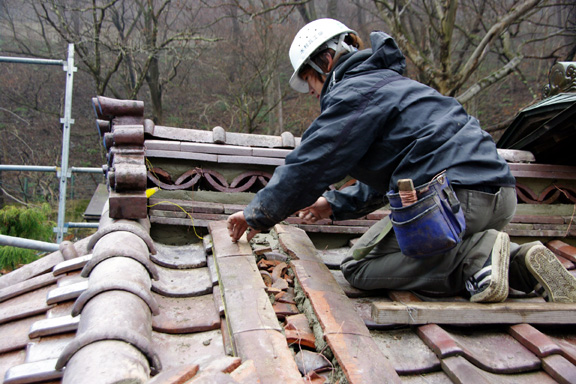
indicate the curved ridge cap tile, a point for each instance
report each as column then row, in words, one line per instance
column 128, row 226
column 98, row 257
column 115, row 285
column 135, row 339
column 71, row 265
column 38, row 371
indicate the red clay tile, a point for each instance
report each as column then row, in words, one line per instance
column 296, row 243
column 569, row 265
column 317, row 378
column 223, row 246
column 336, row 314
column 224, row 364
column 314, row 276
column 537, row 342
column 249, row 309
column 280, row 284
column 559, row 369
column 239, row 272
column 266, row 278
column 479, row 346
column 279, row 270
column 300, row 339
column 561, row 248
column 246, row 373
column 284, row 309
column 360, row 359
column 438, row 377
column 178, row 375
column 186, row 314
column 272, row 357
column 406, row 351
column 567, row 342
column 439, row 341
column 298, row 322
column 308, row 361
column 461, row 370
column 286, row 296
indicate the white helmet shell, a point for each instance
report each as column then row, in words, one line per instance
column 309, row 39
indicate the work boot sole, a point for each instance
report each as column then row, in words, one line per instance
column 558, row 283
column 497, row 290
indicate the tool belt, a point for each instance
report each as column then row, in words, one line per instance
column 433, row 225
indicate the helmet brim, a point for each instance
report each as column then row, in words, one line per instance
column 298, row 84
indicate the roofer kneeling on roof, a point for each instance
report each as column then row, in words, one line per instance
column 382, row 128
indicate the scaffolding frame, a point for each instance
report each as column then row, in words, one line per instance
column 64, row 172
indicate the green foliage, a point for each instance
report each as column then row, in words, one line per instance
column 26, row 222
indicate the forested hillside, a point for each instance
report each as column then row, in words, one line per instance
column 206, row 63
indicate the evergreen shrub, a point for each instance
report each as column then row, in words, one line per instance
column 32, row 223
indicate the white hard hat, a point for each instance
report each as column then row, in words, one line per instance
column 309, row 39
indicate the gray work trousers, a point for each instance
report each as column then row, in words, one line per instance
column 385, row 267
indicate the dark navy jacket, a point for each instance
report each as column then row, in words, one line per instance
column 378, row 127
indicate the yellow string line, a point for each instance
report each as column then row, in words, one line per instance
column 150, row 168
column 183, row 210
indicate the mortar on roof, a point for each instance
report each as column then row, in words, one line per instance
column 304, row 306
column 206, row 196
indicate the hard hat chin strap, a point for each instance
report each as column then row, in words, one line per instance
column 339, row 47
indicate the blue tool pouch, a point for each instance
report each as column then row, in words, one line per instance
column 431, row 226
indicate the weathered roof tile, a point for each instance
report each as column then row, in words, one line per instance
column 183, row 282
column 186, row 314
column 26, row 305
column 14, row 335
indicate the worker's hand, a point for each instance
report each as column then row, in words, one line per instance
column 321, row 209
column 237, row 225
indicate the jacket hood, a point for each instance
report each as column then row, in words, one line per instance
column 384, row 54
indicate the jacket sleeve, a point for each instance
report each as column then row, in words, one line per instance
column 330, row 148
column 354, row 201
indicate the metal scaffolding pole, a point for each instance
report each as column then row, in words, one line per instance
column 64, row 172
column 66, row 122
column 29, row 244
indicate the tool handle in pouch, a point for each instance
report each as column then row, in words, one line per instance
column 433, row 225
